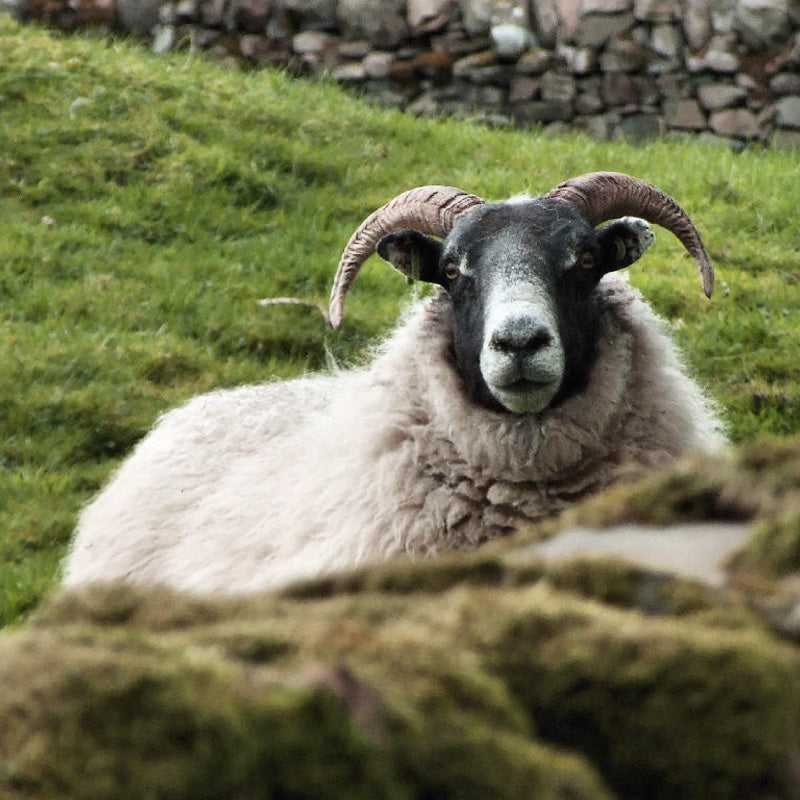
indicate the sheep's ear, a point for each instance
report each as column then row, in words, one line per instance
column 623, row 241
column 413, row 254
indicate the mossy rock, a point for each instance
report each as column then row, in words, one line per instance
column 503, row 689
column 472, row 675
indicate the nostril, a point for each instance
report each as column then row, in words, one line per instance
column 521, row 338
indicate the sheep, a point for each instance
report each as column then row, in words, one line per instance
column 530, row 379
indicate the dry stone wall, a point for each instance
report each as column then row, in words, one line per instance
column 723, row 70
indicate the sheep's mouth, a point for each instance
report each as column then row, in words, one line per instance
column 525, row 396
column 526, row 386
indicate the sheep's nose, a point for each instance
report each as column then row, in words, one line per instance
column 522, row 337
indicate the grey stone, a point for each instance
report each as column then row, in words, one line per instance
column 577, row 60
column 696, row 550
column 510, row 41
column 785, row 83
column 248, row 16
column 672, row 87
column 523, row 88
column 383, row 24
column 697, row 23
column 185, row 11
column 569, row 17
column 762, row 23
column 723, row 16
column 534, row 61
column 666, row 40
column 510, row 30
column 376, row 64
column 788, row 115
column 594, row 30
column 477, row 15
column 641, row 127
column 606, row 6
column 657, row 10
column 426, row 16
column 624, row 55
column 539, row 111
column 317, row 14
column 719, row 56
column 349, row 72
column 716, row 96
column 212, row 13
column 138, row 16
column 619, row 90
column 163, row 39
column 735, row 122
column 598, row 126
column 684, row 114
column 589, row 103
column 353, row 49
column 546, row 21
column 311, row 42
column 560, row 88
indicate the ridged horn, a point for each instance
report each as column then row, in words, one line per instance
column 429, row 209
column 601, row 196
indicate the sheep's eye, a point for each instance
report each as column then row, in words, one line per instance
column 586, row 261
column 451, row 272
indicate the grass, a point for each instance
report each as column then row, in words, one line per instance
column 148, row 202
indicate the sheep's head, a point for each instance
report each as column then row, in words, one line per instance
column 521, row 275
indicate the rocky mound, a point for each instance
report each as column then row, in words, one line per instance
column 512, row 672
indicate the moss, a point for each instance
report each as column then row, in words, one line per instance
column 775, row 544
column 665, row 709
column 96, row 718
column 621, row 583
column 477, row 689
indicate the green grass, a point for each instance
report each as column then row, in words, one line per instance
column 148, row 202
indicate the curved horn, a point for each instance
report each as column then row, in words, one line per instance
column 600, row 196
column 428, row 209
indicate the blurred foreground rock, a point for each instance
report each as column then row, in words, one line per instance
column 500, row 673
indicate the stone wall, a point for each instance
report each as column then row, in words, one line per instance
column 723, row 70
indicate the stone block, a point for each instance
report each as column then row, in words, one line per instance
column 426, row 16
column 716, row 96
column 577, row 60
column 523, row 88
column 788, row 115
column 624, row 55
column 684, row 114
column 785, row 83
column 697, row 23
column 739, row 123
column 762, row 24
column 594, row 30
column 535, row 61
column 559, row 88
column 657, row 10
column 540, row 111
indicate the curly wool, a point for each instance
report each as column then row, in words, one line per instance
column 252, row 488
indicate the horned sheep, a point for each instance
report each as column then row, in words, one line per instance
column 529, row 380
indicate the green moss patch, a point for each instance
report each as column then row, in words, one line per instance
column 469, row 691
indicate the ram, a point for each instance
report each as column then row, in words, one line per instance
column 530, row 379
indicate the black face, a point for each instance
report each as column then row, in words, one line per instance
column 521, row 277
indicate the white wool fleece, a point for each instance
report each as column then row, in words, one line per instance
column 252, row 488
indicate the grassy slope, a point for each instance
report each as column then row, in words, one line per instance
column 147, row 203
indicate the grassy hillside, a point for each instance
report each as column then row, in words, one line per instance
column 147, row 203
